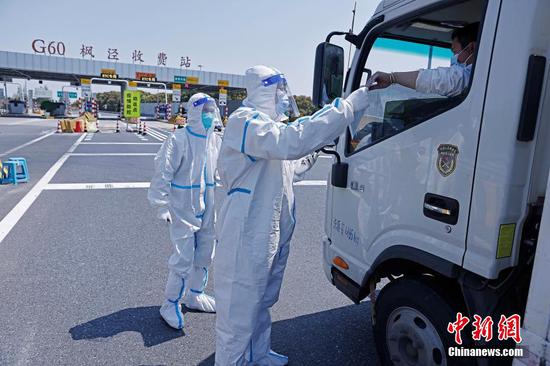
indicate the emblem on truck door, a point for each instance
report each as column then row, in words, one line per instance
column 446, row 159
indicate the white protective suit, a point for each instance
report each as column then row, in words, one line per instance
column 445, row 81
column 257, row 217
column 182, row 190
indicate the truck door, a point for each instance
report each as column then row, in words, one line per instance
column 412, row 156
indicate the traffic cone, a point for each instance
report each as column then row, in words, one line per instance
column 117, row 128
column 144, row 132
column 59, row 127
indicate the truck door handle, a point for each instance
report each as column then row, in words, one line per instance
column 441, row 208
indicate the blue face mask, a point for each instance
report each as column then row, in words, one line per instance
column 283, row 103
column 207, row 118
column 454, row 58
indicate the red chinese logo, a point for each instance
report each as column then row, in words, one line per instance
column 482, row 328
column 457, row 326
column 508, row 328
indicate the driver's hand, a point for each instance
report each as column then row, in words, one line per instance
column 379, row 80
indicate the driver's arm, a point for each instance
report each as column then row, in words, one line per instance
column 381, row 80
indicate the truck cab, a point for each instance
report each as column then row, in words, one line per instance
column 438, row 197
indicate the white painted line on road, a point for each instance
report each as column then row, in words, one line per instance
column 123, row 185
column 157, row 135
column 113, row 154
column 121, row 143
column 163, row 133
column 89, row 137
column 20, row 122
column 86, row 186
column 141, row 137
column 311, row 183
column 13, row 217
column 27, row 143
column 325, row 156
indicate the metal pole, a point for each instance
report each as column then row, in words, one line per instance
column 430, row 54
column 351, row 30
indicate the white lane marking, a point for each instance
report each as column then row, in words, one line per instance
column 157, row 135
column 121, row 143
column 311, row 183
column 325, row 156
column 11, row 219
column 28, row 143
column 86, row 186
column 141, row 137
column 21, row 122
column 162, row 133
column 123, row 185
column 89, row 137
column 113, row 154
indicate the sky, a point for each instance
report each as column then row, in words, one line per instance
column 223, row 36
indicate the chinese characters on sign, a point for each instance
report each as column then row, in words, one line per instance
column 58, row 48
column 112, row 54
column 508, row 328
column 146, row 76
column 161, row 59
column 132, row 104
column 109, row 74
column 87, row 51
column 137, row 56
column 185, row 62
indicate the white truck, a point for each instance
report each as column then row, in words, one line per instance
column 441, row 198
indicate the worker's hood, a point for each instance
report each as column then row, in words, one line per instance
column 262, row 83
column 197, row 104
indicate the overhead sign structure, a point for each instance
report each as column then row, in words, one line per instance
column 146, row 76
column 192, row 80
column 176, row 93
column 223, row 97
column 109, row 74
column 180, row 79
column 86, row 88
column 223, row 83
column 69, row 94
column 132, row 103
column 40, row 93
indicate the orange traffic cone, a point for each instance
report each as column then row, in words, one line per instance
column 59, row 127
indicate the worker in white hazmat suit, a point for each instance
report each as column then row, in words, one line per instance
column 257, row 167
column 182, row 190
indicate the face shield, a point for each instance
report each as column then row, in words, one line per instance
column 284, row 100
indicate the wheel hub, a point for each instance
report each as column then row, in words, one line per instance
column 413, row 340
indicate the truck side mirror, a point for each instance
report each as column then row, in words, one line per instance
column 339, row 176
column 328, row 77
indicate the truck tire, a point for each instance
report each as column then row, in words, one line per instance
column 411, row 325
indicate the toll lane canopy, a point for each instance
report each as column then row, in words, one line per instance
column 45, row 67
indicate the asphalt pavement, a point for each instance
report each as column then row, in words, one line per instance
column 83, row 262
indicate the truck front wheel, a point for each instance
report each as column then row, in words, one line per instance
column 411, row 324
